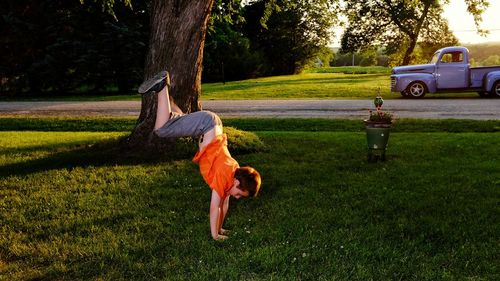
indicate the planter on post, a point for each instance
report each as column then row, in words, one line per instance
column 378, row 127
column 377, row 136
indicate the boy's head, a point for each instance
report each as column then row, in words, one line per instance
column 249, row 180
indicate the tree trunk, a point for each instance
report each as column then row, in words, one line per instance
column 177, row 38
column 415, row 33
column 409, row 51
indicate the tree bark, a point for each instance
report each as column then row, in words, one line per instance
column 413, row 35
column 409, row 50
column 177, row 38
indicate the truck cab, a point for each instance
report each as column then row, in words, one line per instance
column 452, row 68
column 448, row 70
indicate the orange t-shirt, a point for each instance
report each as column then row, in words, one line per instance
column 217, row 166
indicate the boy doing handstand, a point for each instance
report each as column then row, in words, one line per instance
column 219, row 170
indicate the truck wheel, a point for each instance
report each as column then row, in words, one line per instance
column 416, row 89
column 495, row 91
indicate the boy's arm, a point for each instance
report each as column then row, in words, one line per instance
column 216, row 215
column 224, row 204
column 225, row 208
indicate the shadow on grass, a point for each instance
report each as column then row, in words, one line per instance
column 118, row 152
column 95, row 218
column 105, row 153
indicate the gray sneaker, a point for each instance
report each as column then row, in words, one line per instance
column 155, row 83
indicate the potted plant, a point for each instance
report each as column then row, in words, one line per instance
column 378, row 126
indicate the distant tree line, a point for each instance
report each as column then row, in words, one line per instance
column 367, row 57
column 486, row 54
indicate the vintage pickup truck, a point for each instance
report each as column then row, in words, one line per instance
column 448, row 71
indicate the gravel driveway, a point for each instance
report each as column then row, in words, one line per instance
column 479, row 109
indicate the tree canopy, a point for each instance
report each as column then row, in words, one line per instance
column 62, row 46
column 399, row 24
column 294, row 32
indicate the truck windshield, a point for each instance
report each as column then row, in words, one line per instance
column 435, row 58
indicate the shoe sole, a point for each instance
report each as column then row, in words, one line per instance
column 151, row 82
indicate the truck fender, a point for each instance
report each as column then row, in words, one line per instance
column 405, row 79
column 490, row 80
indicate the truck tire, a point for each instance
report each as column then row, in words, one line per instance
column 416, row 90
column 495, row 91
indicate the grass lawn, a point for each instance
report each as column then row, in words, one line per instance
column 302, row 86
column 351, row 70
column 430, row 212
column 320, row 83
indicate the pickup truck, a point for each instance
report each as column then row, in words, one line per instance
column 448, row 71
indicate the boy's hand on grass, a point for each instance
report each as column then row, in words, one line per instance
column 221, row 237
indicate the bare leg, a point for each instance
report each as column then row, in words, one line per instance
column 174, row 106
column 209, row 136
column 164, row 108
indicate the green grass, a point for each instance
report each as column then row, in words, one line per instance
column 428, row 213
column 320, row 83
column 351, row 70
column 112, row 124
column 317, row 83
column 301, row 86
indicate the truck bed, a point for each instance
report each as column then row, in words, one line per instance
column 477, row 74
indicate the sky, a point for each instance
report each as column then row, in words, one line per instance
column 462, row 23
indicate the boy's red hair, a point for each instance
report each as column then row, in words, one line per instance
column 249, row 180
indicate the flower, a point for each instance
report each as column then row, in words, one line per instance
column 380, row 116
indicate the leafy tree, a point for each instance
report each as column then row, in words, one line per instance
column 266, row 38
column 26, row 34
column 292, row 32
column 345, row 59
column 325, row 56
column 491, row 60
column 399, row 24
column 369, row 58
column 60, row 46
column 228, row 54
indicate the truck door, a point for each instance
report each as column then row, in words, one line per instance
column 452, row 71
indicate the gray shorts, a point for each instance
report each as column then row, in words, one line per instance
column 188, row 125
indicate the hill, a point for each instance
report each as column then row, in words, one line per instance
column 480, row 52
